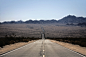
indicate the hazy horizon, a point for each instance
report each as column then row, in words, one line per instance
column 14, row 10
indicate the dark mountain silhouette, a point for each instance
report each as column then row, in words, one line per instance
column 69, row 20
column 81, row 24
column 31, row 21
column 20, row 21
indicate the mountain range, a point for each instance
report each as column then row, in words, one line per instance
column 65, row 20
column 72, row 19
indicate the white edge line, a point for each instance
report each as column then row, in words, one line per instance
column 15, row 49
column 73, row 51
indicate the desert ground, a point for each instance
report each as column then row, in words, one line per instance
column 50, row 30
column 34, row 30
column 20, row 30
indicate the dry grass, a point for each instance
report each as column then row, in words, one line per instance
column 26, row 30
column 65, row 31
column 34, row 30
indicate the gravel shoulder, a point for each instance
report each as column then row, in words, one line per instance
column 73, row 47
column 13, row 46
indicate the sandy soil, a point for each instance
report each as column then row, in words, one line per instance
column 34, row 30
column 76, row 48
column 13, row 46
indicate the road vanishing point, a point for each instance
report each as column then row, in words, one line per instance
column 41, row 48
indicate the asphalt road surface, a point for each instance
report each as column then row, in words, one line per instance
column 42, row 48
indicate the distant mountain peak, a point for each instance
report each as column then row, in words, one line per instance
column 72, row 19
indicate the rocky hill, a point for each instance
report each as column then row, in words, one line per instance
column 72, row 19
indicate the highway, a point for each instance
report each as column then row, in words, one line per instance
column 41, row 48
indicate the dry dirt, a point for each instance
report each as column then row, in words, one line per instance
column 76, row 48
column 34, row 30
column 13, row 46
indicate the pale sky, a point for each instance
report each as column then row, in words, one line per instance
column 40, row 9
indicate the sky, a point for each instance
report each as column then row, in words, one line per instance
column 40, row 9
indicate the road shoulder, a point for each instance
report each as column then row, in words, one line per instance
column 76, row 48
column 10, row 47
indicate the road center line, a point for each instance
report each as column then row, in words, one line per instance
column 43, row 50
column 43, row 55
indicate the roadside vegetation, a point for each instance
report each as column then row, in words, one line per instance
column 76, row 41
column 13, row 39
column 13, row 33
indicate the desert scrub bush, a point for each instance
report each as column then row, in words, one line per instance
column 76, row 41
column 12, row 40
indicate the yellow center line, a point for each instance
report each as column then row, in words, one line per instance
column 43, row 55
column 43, row 50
